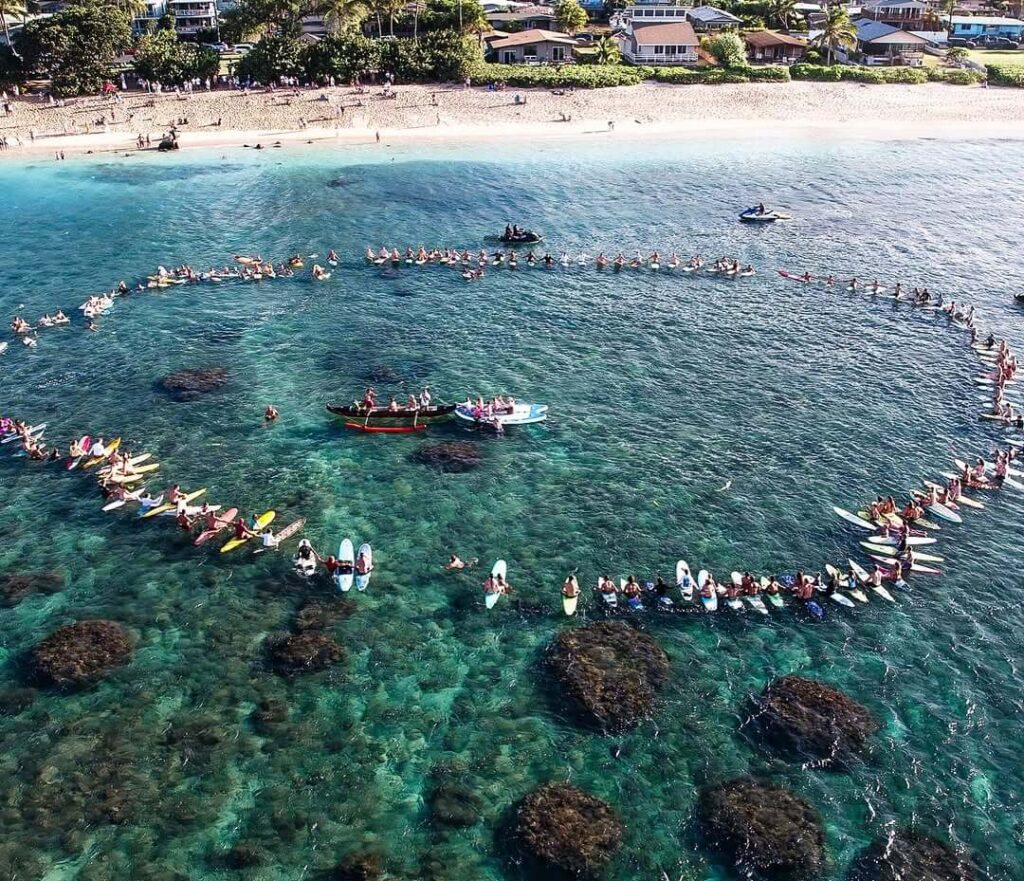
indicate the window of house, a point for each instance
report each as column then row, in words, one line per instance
column 530, row 50
column 670, row 50
column 659, row 50
column 558, row 53
column 509, row 56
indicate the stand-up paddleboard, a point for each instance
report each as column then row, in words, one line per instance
column 290, row 530
column 171, row 506
column 634, row 603
column 346, row 554
column 850, row 517
column 841, row 599
column 610, row 600
column 135, row 476
column 711, row 602
column 132, row 463
column 773, row 598
column 943, row 513
column 914, row 567
column 863, row 576
column 500, row 568
column 736, row 604
column 913, row 540
column 263, row 521
column 569, row 603
column 34, row 431
column 114, row 505
column 306, row 567
column 756, row 603
column 84, row 442
column 685, row 580
column 889, row 550
column 224, row 521
column 365, row 551
column 855, row 591
column 107, row 450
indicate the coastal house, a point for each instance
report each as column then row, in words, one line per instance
column 191, row 17
column 710, row 18
column 526, row 18
column 662, row 45
column 967, row 27
column 881, row 43
column 533, row 47
column 772, row 47
column 907, row 15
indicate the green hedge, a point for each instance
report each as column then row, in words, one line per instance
column 589, row 76
column 715, row 75
column 955, row 76
column 1006, row 75
column 820, row 72
column 875, row 75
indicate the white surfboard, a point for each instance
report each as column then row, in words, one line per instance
column 363, row 581
column 500, row 568
column 347, row 555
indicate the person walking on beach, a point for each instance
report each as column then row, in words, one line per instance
column 378, row 137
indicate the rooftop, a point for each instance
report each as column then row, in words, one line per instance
column 986, row 20
column 536, row 35
column 712, row 13
column 678, row 33
column 763, row 39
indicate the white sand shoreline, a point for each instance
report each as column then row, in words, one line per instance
column 422, row 114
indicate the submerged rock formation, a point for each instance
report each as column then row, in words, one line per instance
column 910, row 856
column 568, row 829
column 610, row 671
column 454, row 805
column 81, row 652
column 304, row 652
column 809, row 717
column 321, row 614
column 764, row 828
column 358, row 867
column 14, row 588
column 449, row 457
column 187, row 385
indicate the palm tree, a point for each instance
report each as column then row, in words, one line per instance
column 780, row 12
column 837, row 31
column 134, row 8
column 386, row 9
column 339, row 15
column 606, row 51
column 949, row 6
column 16, row 9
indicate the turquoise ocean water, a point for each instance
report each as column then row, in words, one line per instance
column 662, row 388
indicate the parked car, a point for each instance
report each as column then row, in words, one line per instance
column 244, row 48
column 583, row 37
column 961, row 43
column 991, row 41
column 218, row 47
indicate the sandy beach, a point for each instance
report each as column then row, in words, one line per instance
column 225, row 118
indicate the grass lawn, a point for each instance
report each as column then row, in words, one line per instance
column 996, row 56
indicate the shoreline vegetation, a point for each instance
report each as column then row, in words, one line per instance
column 426, row 113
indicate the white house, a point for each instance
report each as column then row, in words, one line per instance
column 668, row 44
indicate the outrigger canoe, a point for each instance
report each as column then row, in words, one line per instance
column 385, row 429
column 355, row 412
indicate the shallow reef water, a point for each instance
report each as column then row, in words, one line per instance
column 691, row 417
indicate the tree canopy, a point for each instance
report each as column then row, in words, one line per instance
column 571, row 17
column 163, row 58
column 728, row 50
column 76, row 46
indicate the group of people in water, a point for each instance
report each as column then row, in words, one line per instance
column 1004, row 370
column 245, row 268
column 474, row 264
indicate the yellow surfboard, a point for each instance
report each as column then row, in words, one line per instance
column 95, row 460
column 170, row 506
column 263, row 521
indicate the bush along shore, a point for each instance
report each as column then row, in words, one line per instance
column 604, row 76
